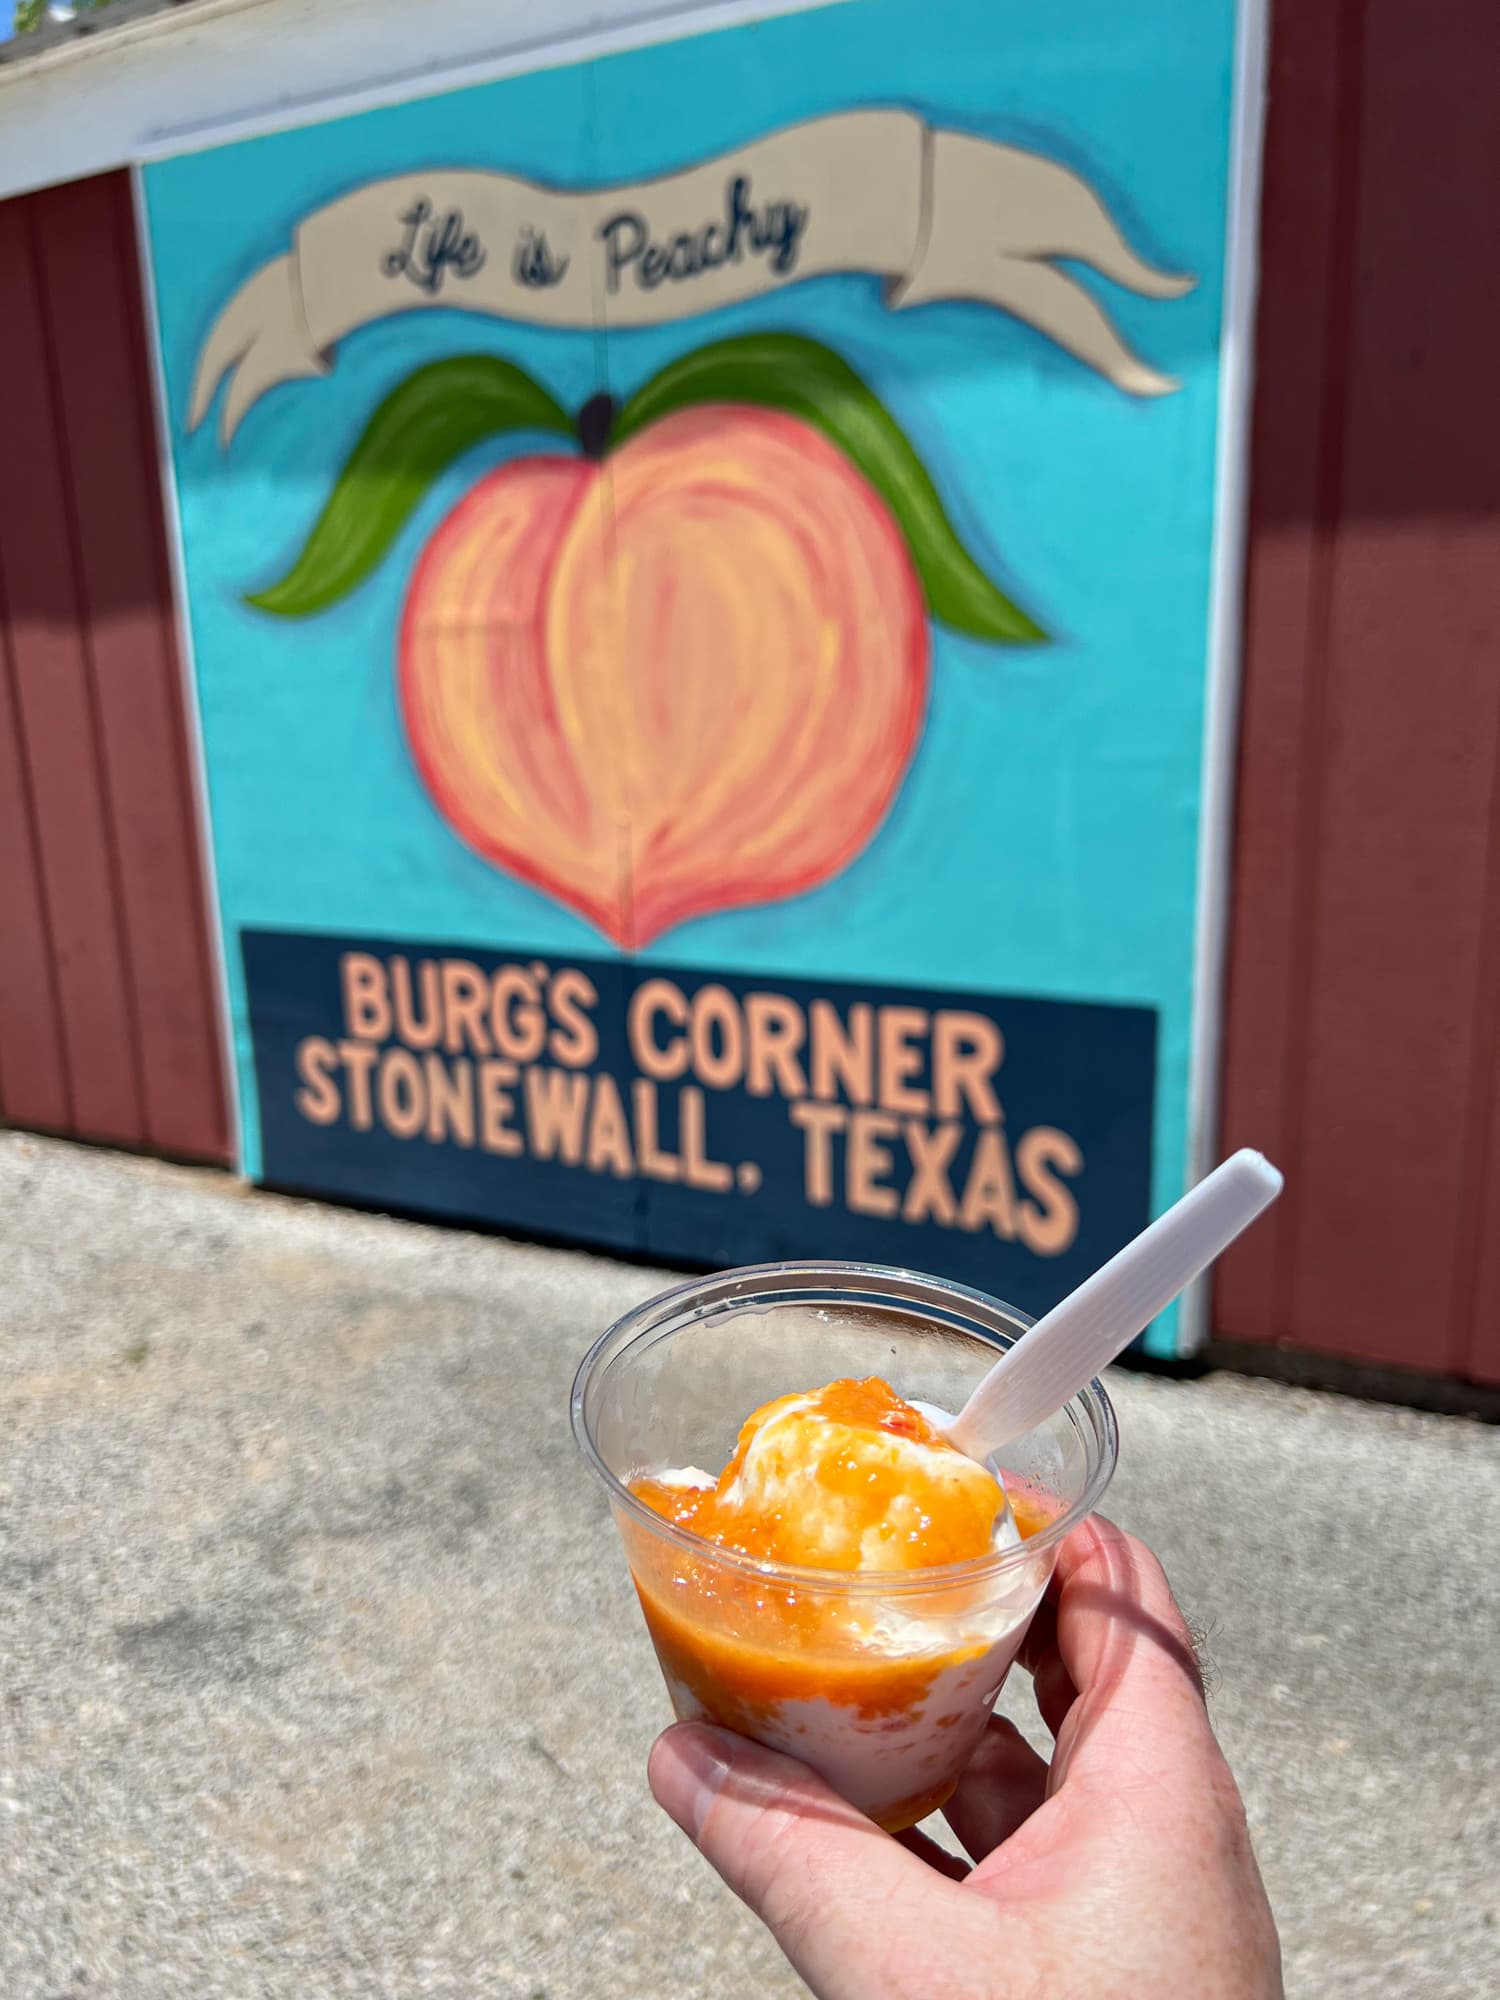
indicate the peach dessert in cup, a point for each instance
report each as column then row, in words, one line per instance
column 849, row 1588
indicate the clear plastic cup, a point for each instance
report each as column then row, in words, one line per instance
column 882, row 1681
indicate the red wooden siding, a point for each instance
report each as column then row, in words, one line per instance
column 108, row 1028
column 1364, row 985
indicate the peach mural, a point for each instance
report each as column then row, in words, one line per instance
column 681, row 672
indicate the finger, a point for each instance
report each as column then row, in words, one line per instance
column 1040, row 1642
column 833, row 1889
column 1050, row 1680
column 1126, row 1649
column 1055, row 1694
column 926, row 1849
column 1004, row 1783
column 1117, row 1623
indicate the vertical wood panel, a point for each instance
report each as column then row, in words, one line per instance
column 56, row 705
column 1477, row 1301
column 108, row 1023
column 1414, row 654
column 1304, row 203
column 1361, row 1031
column 86, row 234
column 33, row 1077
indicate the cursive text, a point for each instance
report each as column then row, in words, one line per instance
column 432, row 246
column 773, row 232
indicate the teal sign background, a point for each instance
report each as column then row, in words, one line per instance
column 1045, row 840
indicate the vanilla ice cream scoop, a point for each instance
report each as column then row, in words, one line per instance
column 847, row 1477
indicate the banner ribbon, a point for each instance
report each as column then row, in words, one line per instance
column 937, row 214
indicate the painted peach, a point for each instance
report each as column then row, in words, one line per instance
column 686, row 678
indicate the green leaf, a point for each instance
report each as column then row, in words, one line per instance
column 785, row 371
column 432, row 418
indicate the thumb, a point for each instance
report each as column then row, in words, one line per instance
column 853, row 1911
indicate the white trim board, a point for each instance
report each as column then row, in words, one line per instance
column 227, row 69
column 1225, row 621
column 188, row 681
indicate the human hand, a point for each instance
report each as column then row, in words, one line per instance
column 1122, row 1869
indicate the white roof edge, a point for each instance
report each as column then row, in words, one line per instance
column 149, row 83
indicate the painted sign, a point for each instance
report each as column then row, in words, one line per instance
column 699, row 593
column 706, row 1114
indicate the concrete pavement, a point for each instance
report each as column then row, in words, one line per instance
column 320, row 1674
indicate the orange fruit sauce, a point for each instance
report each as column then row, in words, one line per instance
column 847, row 1478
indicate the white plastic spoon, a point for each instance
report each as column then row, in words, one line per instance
column 1068, row 1346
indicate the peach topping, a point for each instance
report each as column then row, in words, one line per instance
column 846, row 1477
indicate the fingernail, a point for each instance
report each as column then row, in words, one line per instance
column 687, row 1772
